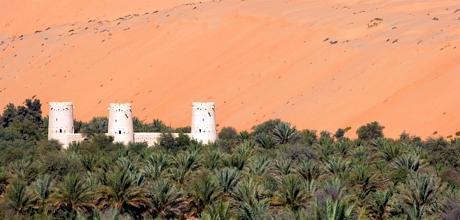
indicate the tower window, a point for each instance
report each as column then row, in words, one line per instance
column 60, row 130
column 199, row 130
column 119, row 132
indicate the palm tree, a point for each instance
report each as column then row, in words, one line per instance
column 259, row 166
column 165, row 200
column 284, row 165
column 291, row 194
column 333, row 210
column 257, row 210
column 123, row 191
column 19, row 198
column 408, row 161
column 265, row 141
column 3, row 181
column 251, row 200
column 205, row 191
column 89, row 161
column 389, row 150
column 185, row 163
column 283, row 133
column 219, row 211
column 213, row 159
column 363, row 179
column 378, row 208
column 420, row 195
column 73, row 195
column 227, row 178
column 42, row 190
column 157, row 164
column 242, row 154
column 309, row 170
column 337, row 166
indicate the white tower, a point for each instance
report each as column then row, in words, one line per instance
column 60, row 121
column 204, row 122
column 121, row 123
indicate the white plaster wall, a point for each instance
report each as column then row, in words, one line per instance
column 60, row 121
column 151, row 138
column 121, row 122
column 204, row 122
column 73, row 138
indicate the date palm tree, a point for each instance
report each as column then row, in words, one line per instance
column 165, row 200
column 265, row 140
column 241, row 156
column 213, row 159
column 19, row 198
column 410, row 162
column 184, row 164
column 204, row 191
column 227, row 178
column 337, row 166
column 259, row 166
column 72, row 195
column 219, row 211
column 421, row 195
column 42, row 190
column 363, row 180
column 156, row 166
column 3, row 180
column 283, row 133
column 291, row 194
column 284, row 166
column 251, row 200
column 333, row 210
column 124, row 191
column 309, row 170
column 256, row 210
column 378, row 208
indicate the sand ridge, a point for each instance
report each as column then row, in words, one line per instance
column 320, row 65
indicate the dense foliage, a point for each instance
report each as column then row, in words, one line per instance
column 273, row 172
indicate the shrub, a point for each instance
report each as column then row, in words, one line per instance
column 228, row 134
column 370, row 131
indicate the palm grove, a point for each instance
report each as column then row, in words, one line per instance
column 272, row 172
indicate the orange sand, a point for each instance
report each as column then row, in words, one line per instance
column 318, row 64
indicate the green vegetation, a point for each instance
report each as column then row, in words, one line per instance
column 273, row 172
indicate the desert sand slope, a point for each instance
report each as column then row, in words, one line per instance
column 319, row 64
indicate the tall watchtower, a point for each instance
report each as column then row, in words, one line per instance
column 204, row 122
column 60, row 121
column 121, row 122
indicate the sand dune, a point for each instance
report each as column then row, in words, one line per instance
column 319, row 64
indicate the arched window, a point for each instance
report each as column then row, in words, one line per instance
column 119, row 131
column 60, row 130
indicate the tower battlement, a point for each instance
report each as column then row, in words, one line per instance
column 120, row 107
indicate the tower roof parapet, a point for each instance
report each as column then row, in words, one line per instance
column 56, row 104
column 203, row 104
column 120, row 106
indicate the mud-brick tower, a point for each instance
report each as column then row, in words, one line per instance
column 204, row 122
column 121, row 122
column 60, row 121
